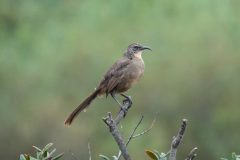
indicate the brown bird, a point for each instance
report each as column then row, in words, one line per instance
column 119, row 78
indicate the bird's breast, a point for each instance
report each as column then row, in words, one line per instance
column 135, row 70
column 131, row 76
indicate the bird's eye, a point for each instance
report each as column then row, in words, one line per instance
column 135, row 47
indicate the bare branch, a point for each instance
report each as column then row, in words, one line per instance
column 192, row 154
column 134, row 130
column 147, row 130
column 116, row 134
column 177, row 140
column 112, row 124
column 123, row 111
column 133, row 135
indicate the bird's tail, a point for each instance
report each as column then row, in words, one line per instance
column 81, row 107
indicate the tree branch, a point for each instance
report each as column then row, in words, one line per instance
column 192, row 154
column 177, row 140
column 134, row 130
column 145, row 131
column 140, row 121
column 112, row 125
column 133, row 135
column 123, row 111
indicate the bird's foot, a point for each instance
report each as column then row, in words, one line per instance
column 128, row 100
column 127, row 103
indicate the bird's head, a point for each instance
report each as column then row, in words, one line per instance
column 135, row 49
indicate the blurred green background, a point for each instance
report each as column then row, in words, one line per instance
column 54, row 52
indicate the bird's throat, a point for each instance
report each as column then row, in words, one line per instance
column 138, row 55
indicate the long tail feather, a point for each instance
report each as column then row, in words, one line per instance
column 81, row 107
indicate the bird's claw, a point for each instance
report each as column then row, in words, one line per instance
column 128, row 100
column 127, row 103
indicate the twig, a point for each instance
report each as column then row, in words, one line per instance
column 89, row 150
column 177, row 140
column 192, row 154
column 123, row 111
column 145, row 131
column 112, row 125
column 132, row 136
column 116, row 135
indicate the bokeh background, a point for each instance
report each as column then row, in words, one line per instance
column 54, row 52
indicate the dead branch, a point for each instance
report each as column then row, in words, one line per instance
column 123, row 111
column 112, row 125
column 192, row 154
column 177, row 140
column 133, row 135
column 145, row 131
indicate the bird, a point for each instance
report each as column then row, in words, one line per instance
column 119, row 78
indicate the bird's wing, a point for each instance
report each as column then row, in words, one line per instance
column 112, row 83
column 114, row 74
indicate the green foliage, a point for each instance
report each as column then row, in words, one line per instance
column 155, row 155
column 42, row 154
column 234, row 157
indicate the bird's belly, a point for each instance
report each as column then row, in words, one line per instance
column 128, row 80
column 123, row 86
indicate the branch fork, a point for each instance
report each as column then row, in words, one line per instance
column 113, row 128
column 112, row 125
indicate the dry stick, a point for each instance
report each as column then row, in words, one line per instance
column 177, row 140
column 89, row 151
column 112, row 124
column 123, row 111
column 147, row 130
column 132, row 136
column 192, row 154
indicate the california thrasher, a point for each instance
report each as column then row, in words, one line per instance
column 119, row 78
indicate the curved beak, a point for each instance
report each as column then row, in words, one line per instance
column 146, row 47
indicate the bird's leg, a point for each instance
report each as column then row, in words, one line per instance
column 122, row 106
column 113, row 96
column 128, row 98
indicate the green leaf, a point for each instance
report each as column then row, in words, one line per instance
column 22, row 157
column 32, row 158
column 45, row 154
column 237, row 157
column 39, row 155
column 51, row 153
column 115, row 158
column 58, row 156
column 38, row 149
column 163, row 156
column 151, row 154
column 104, row 157
column 233, row 156
column 47, row 147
